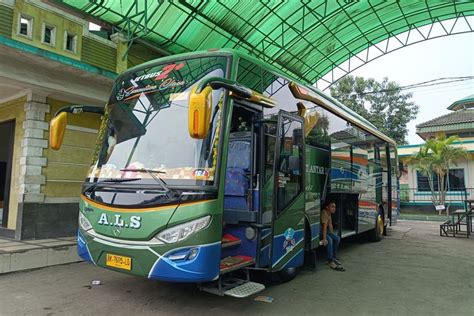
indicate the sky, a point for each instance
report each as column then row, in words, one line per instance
column 449, row 56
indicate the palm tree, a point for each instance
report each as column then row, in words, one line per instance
column 423, row 164
column 436, row 156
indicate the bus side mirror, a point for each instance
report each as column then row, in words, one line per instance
column 58, row 123
column 199, row 112
column 56, row 130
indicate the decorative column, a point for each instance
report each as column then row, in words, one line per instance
column 33, row 143
column 122, row 46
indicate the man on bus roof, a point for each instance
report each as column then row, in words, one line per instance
column 329, row 239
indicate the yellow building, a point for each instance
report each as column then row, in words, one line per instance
column 49, row 58
column 414, row 187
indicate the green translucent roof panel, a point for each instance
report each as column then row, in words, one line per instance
column 305, row 38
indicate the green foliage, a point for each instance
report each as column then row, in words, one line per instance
column 319, row 134
column 382, row 103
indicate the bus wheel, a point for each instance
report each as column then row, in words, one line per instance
column 287, row 274
column 377, row 233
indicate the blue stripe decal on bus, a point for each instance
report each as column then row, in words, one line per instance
column 204, row 266
column 284, row 244
column 83, row 249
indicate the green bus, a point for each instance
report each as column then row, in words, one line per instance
column 213, row 162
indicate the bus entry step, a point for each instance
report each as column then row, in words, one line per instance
column 229, row 240
column 232, row 287
column 245, row 290
column 229, row 264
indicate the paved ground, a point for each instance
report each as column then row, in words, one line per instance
column 424, row 217
column 16, row 255
column 10, row 245
column 413, row 271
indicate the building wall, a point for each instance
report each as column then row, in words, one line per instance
column 46, row 184
column 99, row 53
column 415, row 197
column 90, row 48
column 13, row 110
column 139, row 54
column 68, row 167
column 40, row 16
column 50, row 207
column 6, row 21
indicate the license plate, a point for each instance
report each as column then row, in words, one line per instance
column 120, row 262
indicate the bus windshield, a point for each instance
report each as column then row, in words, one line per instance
column 144, row 134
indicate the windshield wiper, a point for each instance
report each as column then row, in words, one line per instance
column 180, row 197
column 108, row 180
column 152, row 174
column 118, row 180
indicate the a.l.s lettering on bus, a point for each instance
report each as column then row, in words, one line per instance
column 135, row 221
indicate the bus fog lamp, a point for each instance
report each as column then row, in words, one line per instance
column 183, row 231
column 193, row 253
column 84, row 222
column 184, row 254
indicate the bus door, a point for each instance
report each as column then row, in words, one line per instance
column 386, row 194
column 382, row 183
column 393, row 185
column 287, row 229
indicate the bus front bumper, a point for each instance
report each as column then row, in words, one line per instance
column 196, row 263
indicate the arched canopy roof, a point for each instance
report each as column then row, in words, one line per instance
column 305, row 38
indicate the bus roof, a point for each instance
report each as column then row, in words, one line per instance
column 331, row 104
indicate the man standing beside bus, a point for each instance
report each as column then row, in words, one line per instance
column 329, row 239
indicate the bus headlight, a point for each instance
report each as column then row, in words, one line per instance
column 84, row 222
column 183, row 231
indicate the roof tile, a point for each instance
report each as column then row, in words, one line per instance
column 462, row 116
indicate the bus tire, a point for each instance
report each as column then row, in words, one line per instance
column 376, row 234
column 310, row 259
column 287, row 274
column 309, row 254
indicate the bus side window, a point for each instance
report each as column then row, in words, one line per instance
column 290, row 166
column 269, row 152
